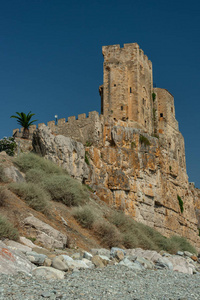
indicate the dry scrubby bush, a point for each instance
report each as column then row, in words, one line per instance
column 108, row 233
column 33, row 194
column 84, row 215
column 136, row 234
column 7, row 230
column 3, row 195
column 50, row 181
column 65, row 189
column 29, row 161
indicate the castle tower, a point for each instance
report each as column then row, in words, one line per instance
column 126, row 93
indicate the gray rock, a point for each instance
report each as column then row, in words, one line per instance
column 37, row 259
column 13, row 261
column 77, row 256
column 47, row 235
column 187, row 253
column 66, row 257
column 180, row 253
column 101, row 251
column 164, row 263
column 87, row 255
column 59, row 263
column 77, row 265
column 14, row 174
column 62, row 150
column 132, row 265
column 145, row 263
column 17, row 246
column 114, row 250
column 48, row 273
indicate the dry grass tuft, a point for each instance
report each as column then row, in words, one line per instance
column 7, row 230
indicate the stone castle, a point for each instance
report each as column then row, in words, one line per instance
column 135, row 149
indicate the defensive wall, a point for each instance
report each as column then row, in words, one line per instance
column 87, row 130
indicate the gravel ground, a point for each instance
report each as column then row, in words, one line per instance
column 113, row 282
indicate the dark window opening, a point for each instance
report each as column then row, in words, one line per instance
column 98, row 133
column 172, row 109
column 161, row 115
column 122, row 108
column 130, row 90
column 145, row 123
column 114, row 84
column 169, row 145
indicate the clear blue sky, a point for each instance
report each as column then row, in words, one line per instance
column 51, row 61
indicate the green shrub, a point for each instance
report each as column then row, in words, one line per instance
column 180, row 203
column 8, row 145
column 144, row 140
column 179, row 243
column 108, row 233
column 65, row 189
column 84, row 215
column 135, row 234
column 33, row 161
column 36, row 176
column 133, row 145
column 153, row 96
column 36, row 197
column 7, row 230
column 86, row 158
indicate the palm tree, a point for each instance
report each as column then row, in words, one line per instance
column 25, row 121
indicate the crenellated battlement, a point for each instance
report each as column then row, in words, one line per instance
column 82, row 128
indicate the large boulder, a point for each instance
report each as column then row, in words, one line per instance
column 62, row 150
column 13, row 261
column 47, row 235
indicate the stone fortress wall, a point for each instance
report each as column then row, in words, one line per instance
column 86, row 130
column 142, row 179
column 126, row 99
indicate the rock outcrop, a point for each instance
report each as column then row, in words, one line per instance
column 134, row 171
column 46, row 234
column 64, row 151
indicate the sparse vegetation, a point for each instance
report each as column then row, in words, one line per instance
column 29, row 161
column 153, row 96
column 155, row 135
column 108, row 233
column 170, row 168
column 52, row 181
column 88, row 144
column 86, row 158
column 36, row 197
column 144, row 140
column 135, row 235
column 7, row 230
column 180, row 203
column 84, row 215
column 180, row 243
column 65, row 189
column 3, row 177
column 133, row 145
column 3, row 195
column 8, row 145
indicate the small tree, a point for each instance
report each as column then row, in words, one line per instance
column 25, row 121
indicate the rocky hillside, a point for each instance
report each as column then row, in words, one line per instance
column 132, row 171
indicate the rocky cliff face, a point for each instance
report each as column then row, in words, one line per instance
column 135, row 172
column 62, row 150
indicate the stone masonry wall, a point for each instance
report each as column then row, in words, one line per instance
column 127, row 85
column 85, row 130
